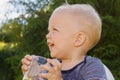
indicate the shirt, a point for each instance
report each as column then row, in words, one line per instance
column 90, row 69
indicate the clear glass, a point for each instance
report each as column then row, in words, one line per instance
column 34, row 69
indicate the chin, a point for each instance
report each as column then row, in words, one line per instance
column 53, row 55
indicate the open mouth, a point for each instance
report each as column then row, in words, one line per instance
column 50, row 44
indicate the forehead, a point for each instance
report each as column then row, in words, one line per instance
column 63, row 18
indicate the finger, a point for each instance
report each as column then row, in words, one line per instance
column 56, row 64
column 46, row 67
column 24, row 68
column 25, row 62
column 28, row 57
column 43, row 75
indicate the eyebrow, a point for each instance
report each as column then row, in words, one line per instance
column 51, row 28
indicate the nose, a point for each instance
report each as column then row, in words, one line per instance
column 48, row 35
column 48, row 38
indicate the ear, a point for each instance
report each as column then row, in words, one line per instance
column 80, row 39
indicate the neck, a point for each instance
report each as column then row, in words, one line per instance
column 69, row 63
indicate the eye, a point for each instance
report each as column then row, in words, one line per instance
column 54, row 29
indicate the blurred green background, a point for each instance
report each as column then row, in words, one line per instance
column 26, row 34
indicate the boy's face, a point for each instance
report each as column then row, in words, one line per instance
column 60, row 38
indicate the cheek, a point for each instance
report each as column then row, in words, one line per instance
column 56, row 38
column 65, row 43
column 62, row 40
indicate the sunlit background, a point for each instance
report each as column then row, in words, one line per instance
column 23, row 26
column 6, row 7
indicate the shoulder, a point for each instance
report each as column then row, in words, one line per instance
column 93, row 69
column 93, row 61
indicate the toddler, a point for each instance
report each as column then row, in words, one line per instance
column 73, row 31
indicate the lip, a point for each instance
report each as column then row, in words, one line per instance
column 50, row 45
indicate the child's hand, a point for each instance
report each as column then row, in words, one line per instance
column 54, row 72
column 26, row 63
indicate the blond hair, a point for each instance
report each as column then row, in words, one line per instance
column 89, row 20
